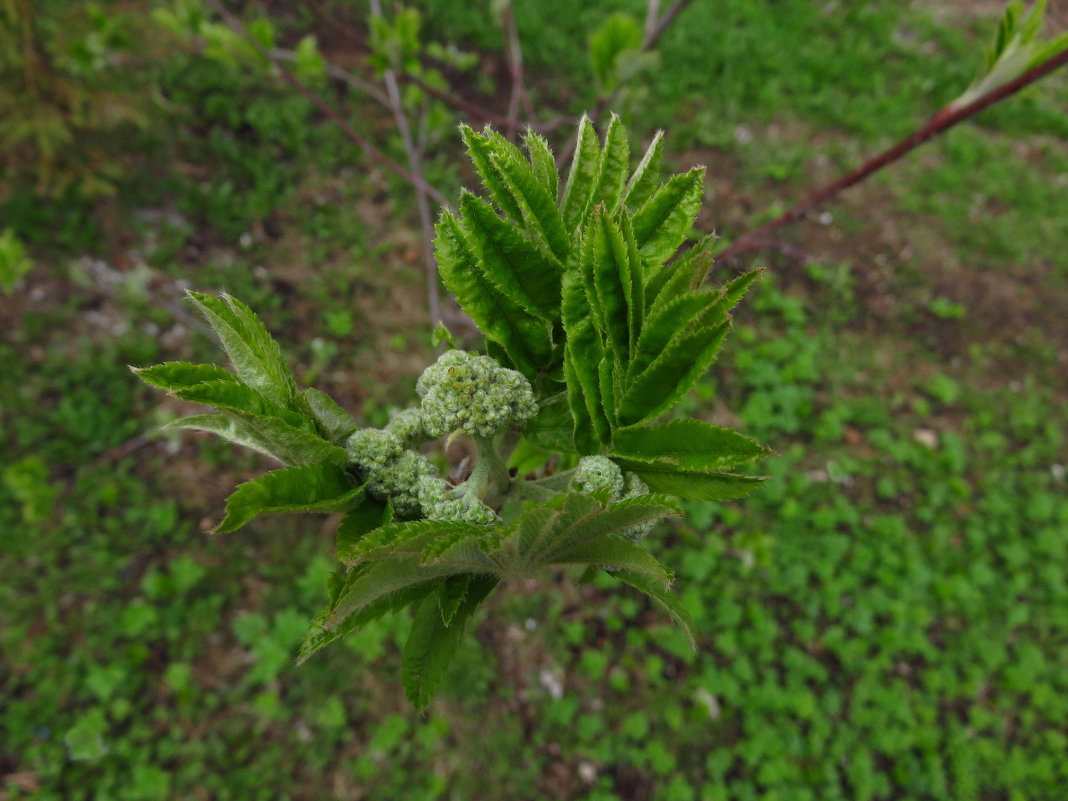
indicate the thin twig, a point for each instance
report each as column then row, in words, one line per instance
column 652, row 36
column 369, row 89
column 415, row 161
column 514, row 52
column 939, row 123
column 652, row 14
column 329, row 112
column 454, row 100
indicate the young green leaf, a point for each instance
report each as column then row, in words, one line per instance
column 688, row 444
column 682, row 275
column 233, row 396
column 480, row 148
column 580, row 179
column 255, row 355
column 319, row 635
column 608, row 264
column 604, row 521
column 431, row 643
column 671, row 375
column 661, row 225
column 451, row 595
column 523, row 336
column 540, row 216
column 308, row 488
column 694, row 485
column 619, row 554
column 270, row 437
column 404, row 537
column 613, row 168
column 518, row 270
column 663, row 597
column 667, row 322
column 179, row 375
column 382, row 579
column 541, row 160
column 646, row 175
column 553, row 429
column 359, row 521
column 334, row 423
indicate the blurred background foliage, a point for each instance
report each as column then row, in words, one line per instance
column 887, row 620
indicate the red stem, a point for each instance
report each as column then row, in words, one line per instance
column 939, row 123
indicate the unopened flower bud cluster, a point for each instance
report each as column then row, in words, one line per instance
column 464, row 391
column 438, row 505
column 596, row 473
column 390, row 471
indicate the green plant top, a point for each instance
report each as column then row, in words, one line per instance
column 594, row 331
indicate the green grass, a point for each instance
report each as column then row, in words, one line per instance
column 886, row 620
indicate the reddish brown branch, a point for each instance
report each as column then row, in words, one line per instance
column 328, row 111
column 939, row 123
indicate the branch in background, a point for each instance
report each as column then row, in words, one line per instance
column 328, row 111
column 514, row 52
column 939, row 123
column 454, row 100
column 415, row 161
column 347, row 78
column 653, row 34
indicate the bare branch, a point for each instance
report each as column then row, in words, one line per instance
column 939, row 123
column 514, row 51
column 415, row 161
column 357, row 83
column 652, row 35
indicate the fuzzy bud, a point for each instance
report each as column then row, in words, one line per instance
column 473, row 393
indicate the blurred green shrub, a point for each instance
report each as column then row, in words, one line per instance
column 71, row 77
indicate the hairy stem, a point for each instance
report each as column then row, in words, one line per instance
column 489, row 480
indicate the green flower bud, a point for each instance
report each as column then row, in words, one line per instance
column 473, row 393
